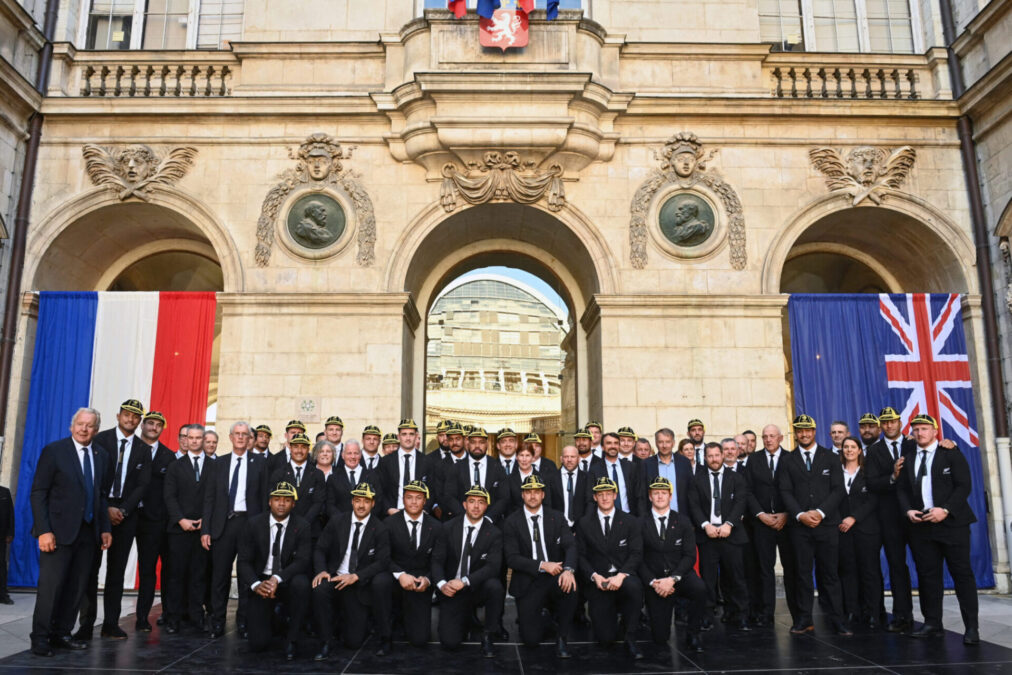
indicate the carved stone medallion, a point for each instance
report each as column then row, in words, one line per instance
column 686, row 219
column 315, row 220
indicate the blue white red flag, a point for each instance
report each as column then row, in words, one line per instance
column 858, row 353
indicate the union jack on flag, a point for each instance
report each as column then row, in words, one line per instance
column 928, row 366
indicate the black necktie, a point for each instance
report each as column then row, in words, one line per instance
column 351, row 477
column 663, row 527
column 896, row 452
column 353, row 556
column 850, row 483
column 585, row 465
column 465, row 557
column 414, row 534
column 407, row 469
column 570, row 489
column 89, row 486
column 233, row 488
column 808, row 460
column 477, row 474
column 196, row 468
column 539, row 549
column 371, row 460
column 509, row 466
column 276, row 551
column 117, row 489
column 922, row 471
column 772, row 465
column 298, row 476
column 716, row 494
column 607, row 526
column 614, row 473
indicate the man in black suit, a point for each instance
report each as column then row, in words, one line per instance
column 697, row 432
column 185, row 577
column 569, row 487
column 333, row 431
column 627, row 445
column 152, row 540
column 70, row 518
column 934, row 483
column 542, row 552
column 869, row 430
column 542, row 464
column 236, row 492
column 444, row 476
column 309, row 481
column 670, row 465
column 523, row 468
column 284, row 456
column 345, row 478
column 582, row 440
column 129, row 462
column 669, row 554
column 402, row 466
column 469, row 575
column 351, row 560
column 622, row 472
column 274, row 564
column 6, row 536
column 881, row 458
column 506, row 449
column 479, row 469
column 770, row 530
column 717, row 504
column 416, row 558
column 811, row 485
column 610, row 542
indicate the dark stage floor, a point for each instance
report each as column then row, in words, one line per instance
column 766, row 650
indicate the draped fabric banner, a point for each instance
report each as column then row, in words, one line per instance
column 97, row 350
column 858, row 353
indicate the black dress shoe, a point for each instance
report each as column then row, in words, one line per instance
column 502, row 636
column 743, row 626
column 386, row 647
column 706, row 625
column 172, row 627
column 971, row 637
column 143, row 626
column 6, row 600
column 633, row 649
column 67, row 642
column 800, row 628
column 927, row 631
column 217, row 632
column 113, row 633
column 84, row 633
column 290, row 651
column 842, row 629
column 900, row 626
column 486, row 646
column 42, row 649
column 694, row 643
column 160, row 620
column 562, row 649
column 323, row 654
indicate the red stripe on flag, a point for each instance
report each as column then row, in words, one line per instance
column 526, row 6
column 182, row 367
column 458, row 7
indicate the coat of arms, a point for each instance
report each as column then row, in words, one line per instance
column 505, row 29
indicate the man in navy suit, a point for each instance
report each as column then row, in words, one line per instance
column 71, row 521
column 670, row 465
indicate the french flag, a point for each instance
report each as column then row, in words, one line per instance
column 97, row 349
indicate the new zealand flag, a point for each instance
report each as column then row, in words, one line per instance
column 858, row 353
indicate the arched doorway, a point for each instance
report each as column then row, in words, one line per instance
column 561, row 249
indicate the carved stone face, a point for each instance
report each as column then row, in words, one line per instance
column 135, row 164
column 864, row 164
column 685, row 164
column 686, row 212
column 319, row 165
column 316, row 212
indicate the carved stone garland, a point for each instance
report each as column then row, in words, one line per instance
column 318, row 163
column 684, row 164
column 501, row 177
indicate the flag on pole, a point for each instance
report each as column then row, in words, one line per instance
column 458, row 7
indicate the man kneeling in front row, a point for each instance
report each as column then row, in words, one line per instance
column 274, row 553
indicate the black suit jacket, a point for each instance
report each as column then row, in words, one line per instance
column 427, row 560
column 673, row 556
column 649, row 470
column 547, row 466
column 623, row 549
column 821, row 488
column 950, row 485
column 136, row 464
column 255, row 545
column 58, row 493
column 445, row 480
column 389, row 478
column 312, row 491
column 594, row 460
column 154, row 500
column 733, row 501
column 486, row 552
column 277, row 460
column 861, row 504
column 6, row 514
column 515, row 494
column 183, row 495
column 338, row 493
column 559, row 543
column 373, row 548
column 763, row 485
column 216, row 494
column 632, row 482
column 879, row 466
column 495, row 482
column 582, row 500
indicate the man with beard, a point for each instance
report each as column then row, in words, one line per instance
column 622, row 472
column 869, row 430
column 445, row 478
column 262, row 440
column 310, row 484
column 697, row 432
column 582, row 439
column 283, row 456
column 479, row 469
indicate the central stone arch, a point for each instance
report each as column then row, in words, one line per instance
column 563, row 249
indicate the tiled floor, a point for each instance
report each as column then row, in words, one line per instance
column 765, row 650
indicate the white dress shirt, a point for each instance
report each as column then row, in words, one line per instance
column 540, row 513
column 273, row 530
column 776, row 455
column 568, row 507
column 598, row 450
column 667, row 515
column 412, row 469
column 926, row 495
column 623, row 498
column 601, row 515
column 482, row 469
column 716, row 520
column 240, row 493
column 408, row 520
column 512, row 460
column 81, row 449
column 463, row 545
column 369, row 461
column 295, row 466
column 346, row 560
column 848, row 478
column 115, row 460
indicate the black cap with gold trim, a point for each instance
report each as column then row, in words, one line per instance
column 532, row 482
column 868, row 418
column 285, row 489
column 132, row 405
column 295, row 424
column 154, row 415
column 371, row 430
column 604, row 484
column 695, row 422
column 363, row 490
column 477, row 432
column 477, row 490
column 442, row 426
column 888, row 414
column 467, row 428
column 532, row 438
column 334, row 419
column 299, row 439
column 593, row 423
column 264, row 429
column 407, row 423
column 454, row 429
column 417, row 486
column 582, row 433
column 660, row 483
column 803, row 422
column 924, row 418
column 506, row 433
column 390, row 439
column 626, row 432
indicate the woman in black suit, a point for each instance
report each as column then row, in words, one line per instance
column 860, row 540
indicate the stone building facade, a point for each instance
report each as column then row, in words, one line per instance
column 673, row 168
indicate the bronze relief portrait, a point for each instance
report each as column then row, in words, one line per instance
column 316, row 221
column 686, row 219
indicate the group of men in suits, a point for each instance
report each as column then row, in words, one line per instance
column 373, row 536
